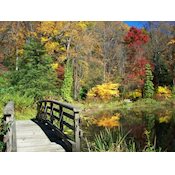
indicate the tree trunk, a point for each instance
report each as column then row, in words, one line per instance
column 75, row 70
column 104, row 72
column 17, row 60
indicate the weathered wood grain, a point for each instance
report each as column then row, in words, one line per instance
column 47, row 131
column 66, row 113
column 31, row 138
column 9, row 121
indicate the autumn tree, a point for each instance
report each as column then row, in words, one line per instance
column 109, row 36
column 13, row 37
column 64, row 41
column 159, row 51
column 135, row 40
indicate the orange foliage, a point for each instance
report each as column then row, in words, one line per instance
column 109, row 122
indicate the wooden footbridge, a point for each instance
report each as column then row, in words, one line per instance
column 56, row 128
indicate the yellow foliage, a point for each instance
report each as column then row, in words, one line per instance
column 171, row 42
column 44, row 39
column 51, row 46
column 82, row 24
column 137, row 93
column 164, row 119
column 55, row 66
column 109, row 122
column 20, row 52
column 163, row 92
column 46, row 27
column 33, row 34
column 105, row 91
column 62, row 48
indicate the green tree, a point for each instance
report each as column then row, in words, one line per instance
column 148, row 86
column 67, row 87
column 35, row 77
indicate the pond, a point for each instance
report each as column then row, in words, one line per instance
column 159, row 123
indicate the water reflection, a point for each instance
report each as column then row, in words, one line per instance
column 159, row 123
column 108, row 121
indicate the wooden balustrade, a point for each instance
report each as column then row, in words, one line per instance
column 60, row 116
column 9, row 123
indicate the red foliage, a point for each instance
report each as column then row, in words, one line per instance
column 138, row 71
column 3, row 68
column 136, row 37
column 60, row 72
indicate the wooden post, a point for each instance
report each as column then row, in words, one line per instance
column 9, row 120
column 72, row 144
column 76, row 147
column 51, row 112
column 61, row 118
column 45, row 111
column 38, row 110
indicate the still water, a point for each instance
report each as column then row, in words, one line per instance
column 159, row 122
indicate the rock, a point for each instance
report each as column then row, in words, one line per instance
column 127, row 101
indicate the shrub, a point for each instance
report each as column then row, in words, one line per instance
column 137, row 93
column 105, row 91
column 21, row 102
column 163, row 92
column 83, row 93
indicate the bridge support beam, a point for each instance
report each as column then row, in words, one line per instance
column 10, row 124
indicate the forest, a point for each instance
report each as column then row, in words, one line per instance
column 112, row 71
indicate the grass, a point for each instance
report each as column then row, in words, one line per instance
column 27, row 114
column 25, row 108
column 118, row 141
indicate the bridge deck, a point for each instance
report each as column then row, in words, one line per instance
column 34, row 138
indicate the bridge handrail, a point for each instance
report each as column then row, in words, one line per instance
column 9, row 122
column 66, row 105
column 45, row 112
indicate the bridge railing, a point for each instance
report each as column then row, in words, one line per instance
column 64, row 119
column 9, row 123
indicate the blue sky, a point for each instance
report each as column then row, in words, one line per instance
column 138, row 24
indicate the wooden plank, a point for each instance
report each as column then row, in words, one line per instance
column 43, row 148
column 51, row 113
column 55, row 117
column 25, row 122
column 68, row 141
column 9, row 120
column 69, row 126
column 68, row 115
column 66, row 105
column 57, row 110
column 77, row 132
column 51, row 105
column 61, row 119
column 30, row 137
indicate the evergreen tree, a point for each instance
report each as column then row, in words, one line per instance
column 148, row 86
column 66, row 90
column 35, row 76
